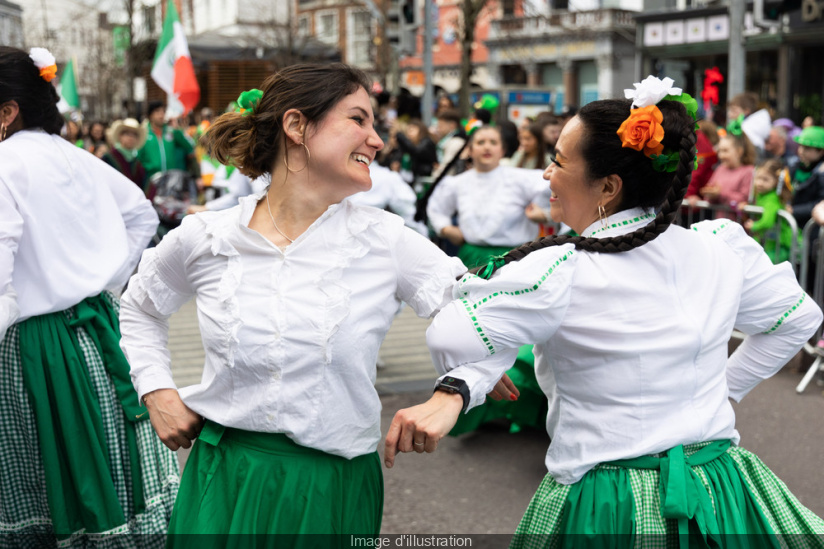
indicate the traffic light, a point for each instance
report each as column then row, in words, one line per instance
column 773, row 9
column 408, row 12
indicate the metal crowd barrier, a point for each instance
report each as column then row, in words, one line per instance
column 812, row 253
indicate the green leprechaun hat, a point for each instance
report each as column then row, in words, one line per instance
column 811, row 136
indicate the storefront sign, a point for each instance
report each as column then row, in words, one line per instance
column 547, row 51
column 524, row 97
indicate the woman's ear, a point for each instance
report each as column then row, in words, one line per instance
column 611, row 192
column 8, row 113
column 294, row 126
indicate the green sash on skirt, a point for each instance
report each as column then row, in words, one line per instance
column 242, row 482
column 700, row 498
column 70, row 430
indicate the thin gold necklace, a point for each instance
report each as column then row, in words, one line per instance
column 269, row 207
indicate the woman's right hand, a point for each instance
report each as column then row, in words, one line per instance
column 173, row 421
column 453, row 234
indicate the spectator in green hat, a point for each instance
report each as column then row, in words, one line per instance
column 808, row 174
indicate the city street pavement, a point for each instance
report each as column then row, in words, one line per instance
column 482, row 482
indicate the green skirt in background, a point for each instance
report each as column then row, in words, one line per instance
column 703, row 495
column 249, row 489
column 531, row 407
column 78, row 468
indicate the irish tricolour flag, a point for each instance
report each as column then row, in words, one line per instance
column 172, row 69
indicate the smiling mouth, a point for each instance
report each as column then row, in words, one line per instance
column 363, row 159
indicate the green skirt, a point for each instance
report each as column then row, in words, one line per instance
column 709, row 494
column 77, row 469
column 240, row 482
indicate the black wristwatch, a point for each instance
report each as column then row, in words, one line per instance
column 454, row 385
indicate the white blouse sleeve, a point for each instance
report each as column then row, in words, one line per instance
column 160, row 287
column 477, row 336
column 426, row 275
column 11, row 228
column 139, row 217
column 775, row 312
column 443, row 204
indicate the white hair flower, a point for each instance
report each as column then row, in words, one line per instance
column 42, row 57
column 44, row 60
column 650, row 91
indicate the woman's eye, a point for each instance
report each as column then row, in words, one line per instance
column 553, row 160
column 358, row 119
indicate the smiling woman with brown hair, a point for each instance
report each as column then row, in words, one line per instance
column 296, row 288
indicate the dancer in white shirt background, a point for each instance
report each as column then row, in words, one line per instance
column 630, row 323
column 80, row 463
column 296, row 289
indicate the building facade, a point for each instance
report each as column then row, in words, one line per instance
column 783, row 54
column 11, row 24
column 72, row 30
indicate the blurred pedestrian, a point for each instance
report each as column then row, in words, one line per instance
column 127, row 137
column 166, row 148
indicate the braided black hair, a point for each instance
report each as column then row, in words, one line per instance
column 602, row 150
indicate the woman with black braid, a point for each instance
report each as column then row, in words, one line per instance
column 630, row 323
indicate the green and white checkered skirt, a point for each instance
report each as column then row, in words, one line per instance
column 27, row 516
column 709, row 494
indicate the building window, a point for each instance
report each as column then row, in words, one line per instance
column 303, row 26
column 149, row 20
column 359, row 43
column 326, row 27
column 508, row 8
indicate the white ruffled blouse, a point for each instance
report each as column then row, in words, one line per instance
column 631, row 348
column 291, row 336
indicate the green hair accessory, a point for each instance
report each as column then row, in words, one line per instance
column 495, row 263
column 687, row 100
column 665, row 162
column 248, row 101
column 734, row 127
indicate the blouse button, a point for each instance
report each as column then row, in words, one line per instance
column 276, row 376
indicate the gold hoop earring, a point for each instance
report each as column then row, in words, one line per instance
column 2, row 132
column 602, row 215
column 308, row 156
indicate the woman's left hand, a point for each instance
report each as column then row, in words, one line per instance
column 420, row 428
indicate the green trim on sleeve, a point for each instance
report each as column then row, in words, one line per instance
column 472, row 306
column 783, row 317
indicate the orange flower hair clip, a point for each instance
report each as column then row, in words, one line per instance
column 44, row 60
column 642, row 130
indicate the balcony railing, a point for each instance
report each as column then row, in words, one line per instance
column 560, row 22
